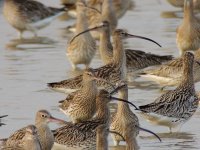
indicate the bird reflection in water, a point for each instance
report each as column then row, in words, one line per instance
column 32, row 42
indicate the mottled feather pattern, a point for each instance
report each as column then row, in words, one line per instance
column 74, row 135
column 35, row 11
column 108, row 72
column 172, row 69
column 137, row 59
column 73, row 83
column 16, row 137
column 166, row 105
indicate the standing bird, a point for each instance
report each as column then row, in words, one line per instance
column 29, row 15
column 177, row 106
column 82, row 49
column 83, row 134
column 80, row 105
column 188, row 33
column 126, row 123
column 27, row 141
column 45, row 135
column 170, row 74
column 112, row 72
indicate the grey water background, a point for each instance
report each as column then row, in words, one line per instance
column 26, row 67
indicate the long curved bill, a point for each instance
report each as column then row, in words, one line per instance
column 117, row 133
column 61, row 101
column 119, row 99
column 151, row 132
column 53, row 119
column 1, row 124
column 198, row 62
column 90, row 29
column 3, row 116
column 141, row 37
column 117, row 89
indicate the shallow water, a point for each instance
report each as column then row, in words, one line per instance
column 26, row 67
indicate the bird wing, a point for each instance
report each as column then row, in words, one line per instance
column 16, row 138
column 36, row 10
column 173, row 69
column 136, row 59
column 68, row 135
column 171, row 104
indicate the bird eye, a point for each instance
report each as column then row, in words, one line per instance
column 44, row 116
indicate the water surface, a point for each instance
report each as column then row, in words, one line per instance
column 26, row 67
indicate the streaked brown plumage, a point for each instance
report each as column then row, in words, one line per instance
column 28, row 141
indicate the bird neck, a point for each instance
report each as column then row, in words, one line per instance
column 81, row 23
column 106, row 7
column 123, row 107
column 108, row 12
column 188, row 79
column 41, row 126
column 197, row 55
column 102, row 112
column 119, row 58
column 89, row 86
column 102, row 143
column 105, row 46
column 45, row 136
column 188, row 12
